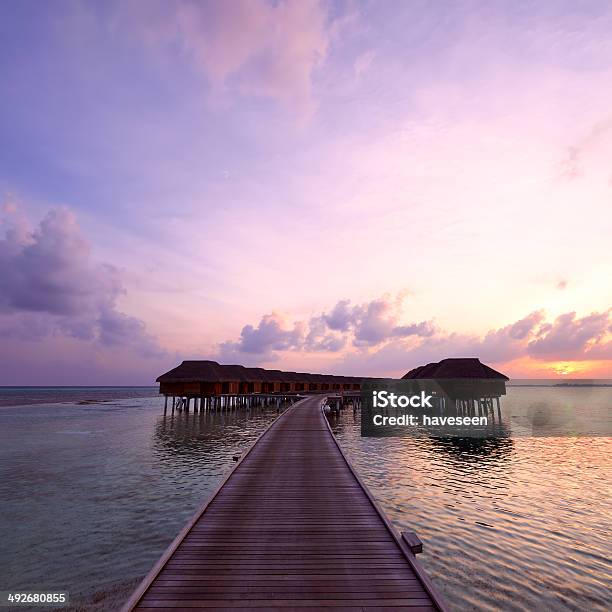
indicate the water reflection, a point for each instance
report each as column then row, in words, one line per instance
column 508, row 523
column 474, row 449
column 198, row 433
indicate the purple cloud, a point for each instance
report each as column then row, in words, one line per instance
column 375, row 322
column 574, row 338
column 385, row 347
column 525, row 327
column 268, row 336
column 320, row 338
column 567, row 338
column 51, row 270
column 369, row 324
column 50, row 284
column 341, row 316
column 423, row 329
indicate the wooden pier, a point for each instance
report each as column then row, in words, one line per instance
column 292, row 527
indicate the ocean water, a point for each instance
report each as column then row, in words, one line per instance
column 23, row 396
column 92, row 493
column 511, row 523
column 94, row 487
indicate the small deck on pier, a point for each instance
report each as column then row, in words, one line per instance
column 292, row 527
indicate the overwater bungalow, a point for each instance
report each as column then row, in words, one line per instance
column 209, row 378
column 467, row 385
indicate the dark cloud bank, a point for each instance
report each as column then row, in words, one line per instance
column 51, row 288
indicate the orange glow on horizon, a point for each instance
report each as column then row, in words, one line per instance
column 566, row 368
column 530, row 368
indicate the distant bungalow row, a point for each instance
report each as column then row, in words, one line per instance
column 209, row 378
column 204, row 378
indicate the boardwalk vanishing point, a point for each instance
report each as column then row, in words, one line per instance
column 292, row 527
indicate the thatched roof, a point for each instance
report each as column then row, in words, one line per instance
column 460, row 367
column 211, row 371
column 196, row 371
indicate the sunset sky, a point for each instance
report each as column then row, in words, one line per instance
column 343, row 187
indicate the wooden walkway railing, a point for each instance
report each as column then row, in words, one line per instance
column 291, row 527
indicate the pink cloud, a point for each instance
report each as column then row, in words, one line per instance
column 566, row 339
column 385, row 347
column 269, row 335
column 262, row 48
column 368, row 324
column 572, row 338
column 375, row 321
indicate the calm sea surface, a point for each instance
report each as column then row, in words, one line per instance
column 92, row 493
column 514, row 523
column 23, row 396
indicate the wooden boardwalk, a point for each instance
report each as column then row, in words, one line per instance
column 292, row 527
